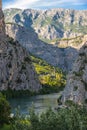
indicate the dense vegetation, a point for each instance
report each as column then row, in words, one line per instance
column 70, row 118
column 4, row 110
column 17, row 93
column 51, row 78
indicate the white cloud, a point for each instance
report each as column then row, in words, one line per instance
column 42, row 3
column 20, row 4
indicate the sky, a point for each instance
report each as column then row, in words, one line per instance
column 45, row 4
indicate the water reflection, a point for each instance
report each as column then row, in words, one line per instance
column 40, row 102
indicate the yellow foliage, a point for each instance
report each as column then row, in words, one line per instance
column 48, row 75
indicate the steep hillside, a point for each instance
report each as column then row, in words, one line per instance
column 2, row 25
column 44, row 33
column 27, row 37
column 50, row 24
column 16, row 69
column 51, row 78
column 75, row 42
column 76, row 88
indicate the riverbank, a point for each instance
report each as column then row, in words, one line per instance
column 40, row 102
column 25, row 93
column 74, row 118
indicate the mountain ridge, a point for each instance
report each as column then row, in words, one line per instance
column 44, row 20
column 52, row 54
column 49, row 31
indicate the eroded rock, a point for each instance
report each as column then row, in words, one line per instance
column 76, row 88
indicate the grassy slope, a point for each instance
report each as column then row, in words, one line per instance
column 52, row 78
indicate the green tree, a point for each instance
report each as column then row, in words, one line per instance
column 34, row 119
column 4, row 110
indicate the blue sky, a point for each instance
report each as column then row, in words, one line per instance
column 45, row 4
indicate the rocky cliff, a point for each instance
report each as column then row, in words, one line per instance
column 50, row 24
column 76, row 88
column 2, row 24
column 43, row 33
column 61, row 57
column 16, row 69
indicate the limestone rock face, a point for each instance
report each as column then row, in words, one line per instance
column 76, row 88
column 58, row 28
column 2, row 24
column 55, row 56
column 50, row 24
column 16, row 69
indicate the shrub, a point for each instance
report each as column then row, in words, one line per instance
column 72, row 118
column 52, row 78
column 4, row 110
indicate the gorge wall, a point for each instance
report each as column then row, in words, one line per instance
column 76, row 88
column 50, row 24
column 55, row 35
column 16, row 69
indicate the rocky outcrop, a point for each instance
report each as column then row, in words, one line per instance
column 2, row 25
column 55, row 56
column 16, row 69
column 50, row 24
column 43, row 33
column 76, row 88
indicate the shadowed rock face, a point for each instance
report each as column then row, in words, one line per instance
column 63, row 27
column 76, row 88
column 55, row 56
column 16, row 69
column 2, row 24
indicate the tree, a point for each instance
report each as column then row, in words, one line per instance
column 4, row 110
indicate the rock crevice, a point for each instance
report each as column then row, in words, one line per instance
column 76, row 88
column 16, row 69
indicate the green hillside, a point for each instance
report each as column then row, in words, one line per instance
column 51, row 78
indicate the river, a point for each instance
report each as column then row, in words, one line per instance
column 41, row 103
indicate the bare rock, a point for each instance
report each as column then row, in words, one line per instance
column 76, row 88
column 16, row 69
